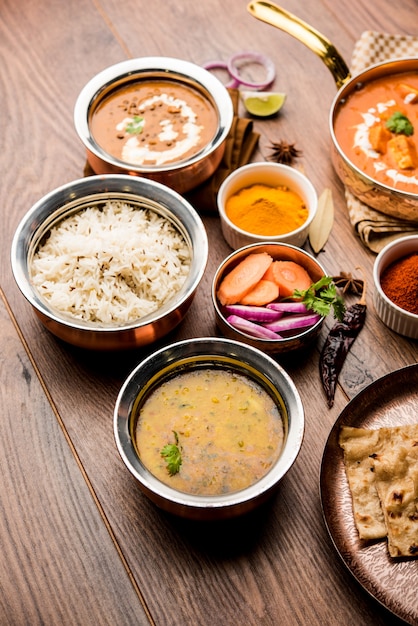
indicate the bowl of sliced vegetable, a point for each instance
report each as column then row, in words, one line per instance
column 273, row 296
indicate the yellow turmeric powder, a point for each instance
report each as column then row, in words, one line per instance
column 267, row 211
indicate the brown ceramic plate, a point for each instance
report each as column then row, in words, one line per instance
column 389, row 401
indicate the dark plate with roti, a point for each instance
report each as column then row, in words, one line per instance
column 390, row 401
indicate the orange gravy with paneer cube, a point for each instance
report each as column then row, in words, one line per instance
column 376, row 126
column 223, row 426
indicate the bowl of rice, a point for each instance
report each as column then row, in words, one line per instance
column 110, row 262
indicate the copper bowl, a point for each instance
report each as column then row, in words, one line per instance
column 383, row 197
column 182, row 175
column 73, row 197
column 281, row 252
column 209, row 352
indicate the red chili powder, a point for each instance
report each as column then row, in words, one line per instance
column 399, row 281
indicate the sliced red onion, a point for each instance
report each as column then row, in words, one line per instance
column 255, row 330
column 252, row 57
column 214, row 65
column 288, row 307
column 290, row 322
column 254, row 313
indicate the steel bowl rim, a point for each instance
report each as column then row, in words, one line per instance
column 20, row 248
column 122, row 414
column 131, row 67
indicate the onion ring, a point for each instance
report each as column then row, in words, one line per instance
column 212, row 65
column 252, row 57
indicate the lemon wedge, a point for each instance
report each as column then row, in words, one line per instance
column 263, row 103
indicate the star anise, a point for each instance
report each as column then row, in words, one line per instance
column 284, row 152
column 348, row 283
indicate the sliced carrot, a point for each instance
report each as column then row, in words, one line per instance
column 264, row 292
column 243, row 278
column 289, row 276
column 271, row 272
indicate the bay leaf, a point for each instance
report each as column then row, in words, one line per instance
column 323, row 221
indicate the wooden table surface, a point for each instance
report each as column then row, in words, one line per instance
column 80, row 544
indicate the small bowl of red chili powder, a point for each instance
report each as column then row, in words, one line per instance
column 395, row 276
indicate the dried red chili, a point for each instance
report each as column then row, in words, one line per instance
column 339, row 341
column 399, row 281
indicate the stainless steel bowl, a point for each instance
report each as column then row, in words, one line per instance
column 279, row 252
column 74, row 196
column 183, row 175
column 207, row 351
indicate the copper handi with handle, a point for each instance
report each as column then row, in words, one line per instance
column 388, row 200
column 276, row 16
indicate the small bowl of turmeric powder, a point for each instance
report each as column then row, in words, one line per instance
column 395, row 275
column 266, row 202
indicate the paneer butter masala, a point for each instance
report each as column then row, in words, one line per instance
column 154, row 122
column 226, row 431
column 377, row 128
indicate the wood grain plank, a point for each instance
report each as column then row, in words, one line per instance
column 59, row 563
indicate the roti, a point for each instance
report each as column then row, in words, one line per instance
column 359, row 445
column 396, row 475
column 382, row 472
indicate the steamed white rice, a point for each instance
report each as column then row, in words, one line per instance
column 111, row 264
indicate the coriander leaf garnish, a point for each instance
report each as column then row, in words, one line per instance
column 136, row 126
column 321, row 297
column 172, row 455
column 398, row 123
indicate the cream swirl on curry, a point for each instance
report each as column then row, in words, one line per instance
column 154, row 122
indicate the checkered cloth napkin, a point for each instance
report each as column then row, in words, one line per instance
column 374, row 228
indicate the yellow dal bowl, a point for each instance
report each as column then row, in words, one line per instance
column 208, row 352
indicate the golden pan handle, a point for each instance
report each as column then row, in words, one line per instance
column 274, row 15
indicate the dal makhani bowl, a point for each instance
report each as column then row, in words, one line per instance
column 110, row 262
column 158, row 117
column 208, row 427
